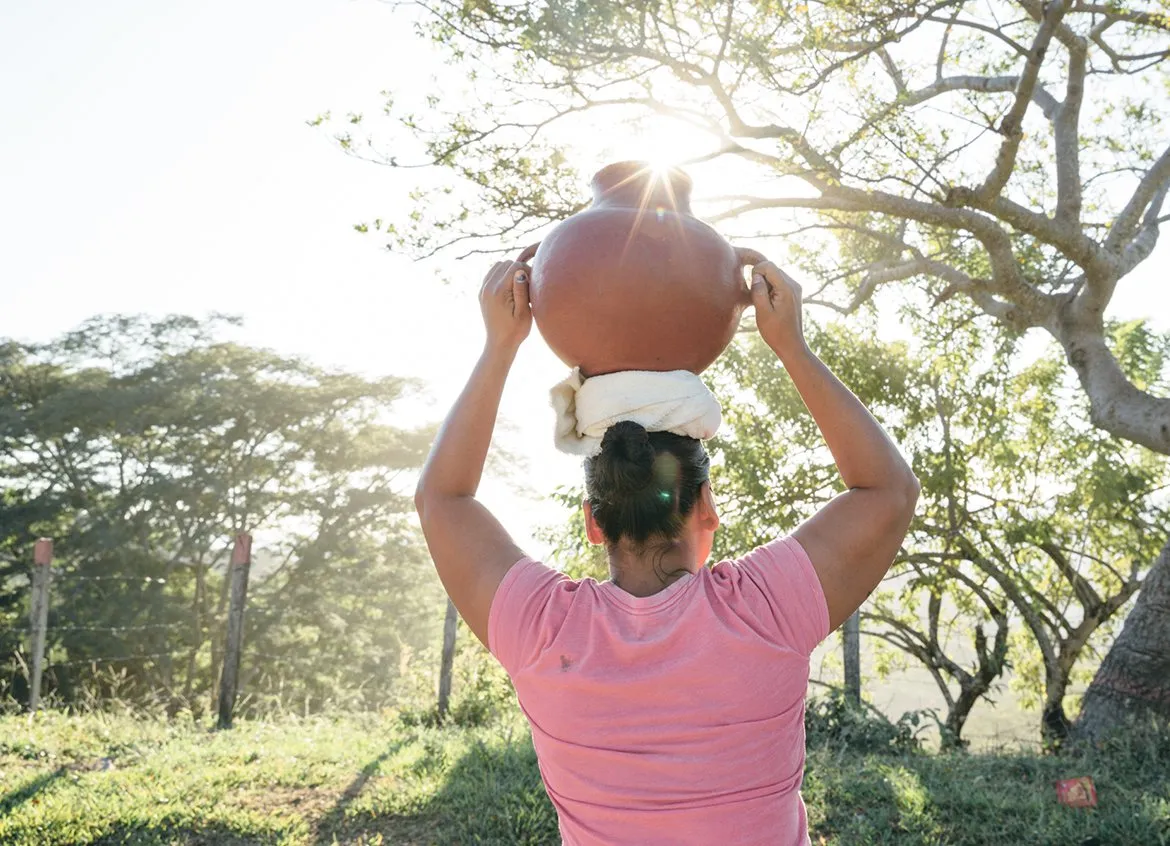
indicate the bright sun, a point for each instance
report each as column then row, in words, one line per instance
column 664, row 144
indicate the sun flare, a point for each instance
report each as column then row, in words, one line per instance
column 667, row 144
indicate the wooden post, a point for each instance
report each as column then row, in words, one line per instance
column 229, row 676
column 851, row 640
column 39, row 618
column 447, row 664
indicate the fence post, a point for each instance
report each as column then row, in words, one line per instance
column 447, row 664
column 39, row 617
column 229, row 676
column 851, row 640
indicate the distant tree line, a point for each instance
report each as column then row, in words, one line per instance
column 141, row 447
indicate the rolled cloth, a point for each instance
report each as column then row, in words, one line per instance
column 674, row 401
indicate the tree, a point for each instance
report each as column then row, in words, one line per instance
column 143, row 446
column 1028, row 515
column 1009, row 154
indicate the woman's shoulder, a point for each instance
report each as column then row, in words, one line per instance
column 530, row 576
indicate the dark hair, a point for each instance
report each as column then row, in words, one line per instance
column 642, row 485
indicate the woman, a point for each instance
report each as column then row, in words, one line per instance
column 666, row 704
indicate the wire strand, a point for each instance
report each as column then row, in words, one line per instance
column 111, row 659
column 136, row 628
column 74, row 577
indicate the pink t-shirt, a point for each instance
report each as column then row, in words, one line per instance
column 676, row 718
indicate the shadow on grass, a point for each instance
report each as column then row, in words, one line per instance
column 11, row 800
column 491, row 795
column 185, row 833
column 334, row 825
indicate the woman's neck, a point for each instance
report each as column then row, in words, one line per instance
column 652, row 567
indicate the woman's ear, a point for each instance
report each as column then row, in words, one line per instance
column 708, row 514
column 592, row 529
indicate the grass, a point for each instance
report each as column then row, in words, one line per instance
column 369, row 779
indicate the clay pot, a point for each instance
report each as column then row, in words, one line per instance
column 635, row 282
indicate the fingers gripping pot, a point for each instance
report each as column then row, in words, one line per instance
column 635, row 282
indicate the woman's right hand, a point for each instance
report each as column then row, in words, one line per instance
column 777, row 300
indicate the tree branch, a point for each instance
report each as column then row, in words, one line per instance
column 1155, row 20
column 1116, row 405
column 1031, row 307
column 997, row 32
column 1011, row 127
column 1142, row 244
column 1067, row 143
column 1089, row 598
column 983, row 84
column 1154, row 183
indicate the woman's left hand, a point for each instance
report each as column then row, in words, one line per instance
column 503, row 299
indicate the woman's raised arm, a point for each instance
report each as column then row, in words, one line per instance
column 852, row 541
column 470, row 548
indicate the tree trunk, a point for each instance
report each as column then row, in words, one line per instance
column 1054, row 723
column 1134, row 679
column 951, row 736
column 851, row 644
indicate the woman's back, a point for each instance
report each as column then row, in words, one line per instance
column 671, row 718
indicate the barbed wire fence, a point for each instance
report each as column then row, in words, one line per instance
column 47, row 580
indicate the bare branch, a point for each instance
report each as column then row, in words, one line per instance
column 1067, row 142
column 1155, row 182
column 725, row 38
column 893, row 70
column 1139, row 249
column 1012, row 125
column 990, row 30
column 1089, row 598
column 984, row 84
column 941, row 58
column 1117, row 12
column 1031, row 307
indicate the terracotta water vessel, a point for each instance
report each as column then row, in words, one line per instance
column 635, row 282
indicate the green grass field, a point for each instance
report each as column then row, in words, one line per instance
column 370, row 779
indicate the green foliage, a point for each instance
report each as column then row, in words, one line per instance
column 481, row 692
column 141, row 447
column 772, row 469
column 832, row 722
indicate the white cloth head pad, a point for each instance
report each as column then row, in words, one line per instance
column 674, row 401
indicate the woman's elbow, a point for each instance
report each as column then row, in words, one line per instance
column 908, row 490
column 422, row 498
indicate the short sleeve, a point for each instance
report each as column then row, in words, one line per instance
column 784, row 577
column 527, row 612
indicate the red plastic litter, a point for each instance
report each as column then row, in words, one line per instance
column 1077, row 792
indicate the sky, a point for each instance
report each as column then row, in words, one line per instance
column 155, row 158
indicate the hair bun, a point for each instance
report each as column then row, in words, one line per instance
column 628, row 456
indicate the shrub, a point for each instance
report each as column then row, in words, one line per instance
column 831, row 720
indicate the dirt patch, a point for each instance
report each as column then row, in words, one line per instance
column 309, row 803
